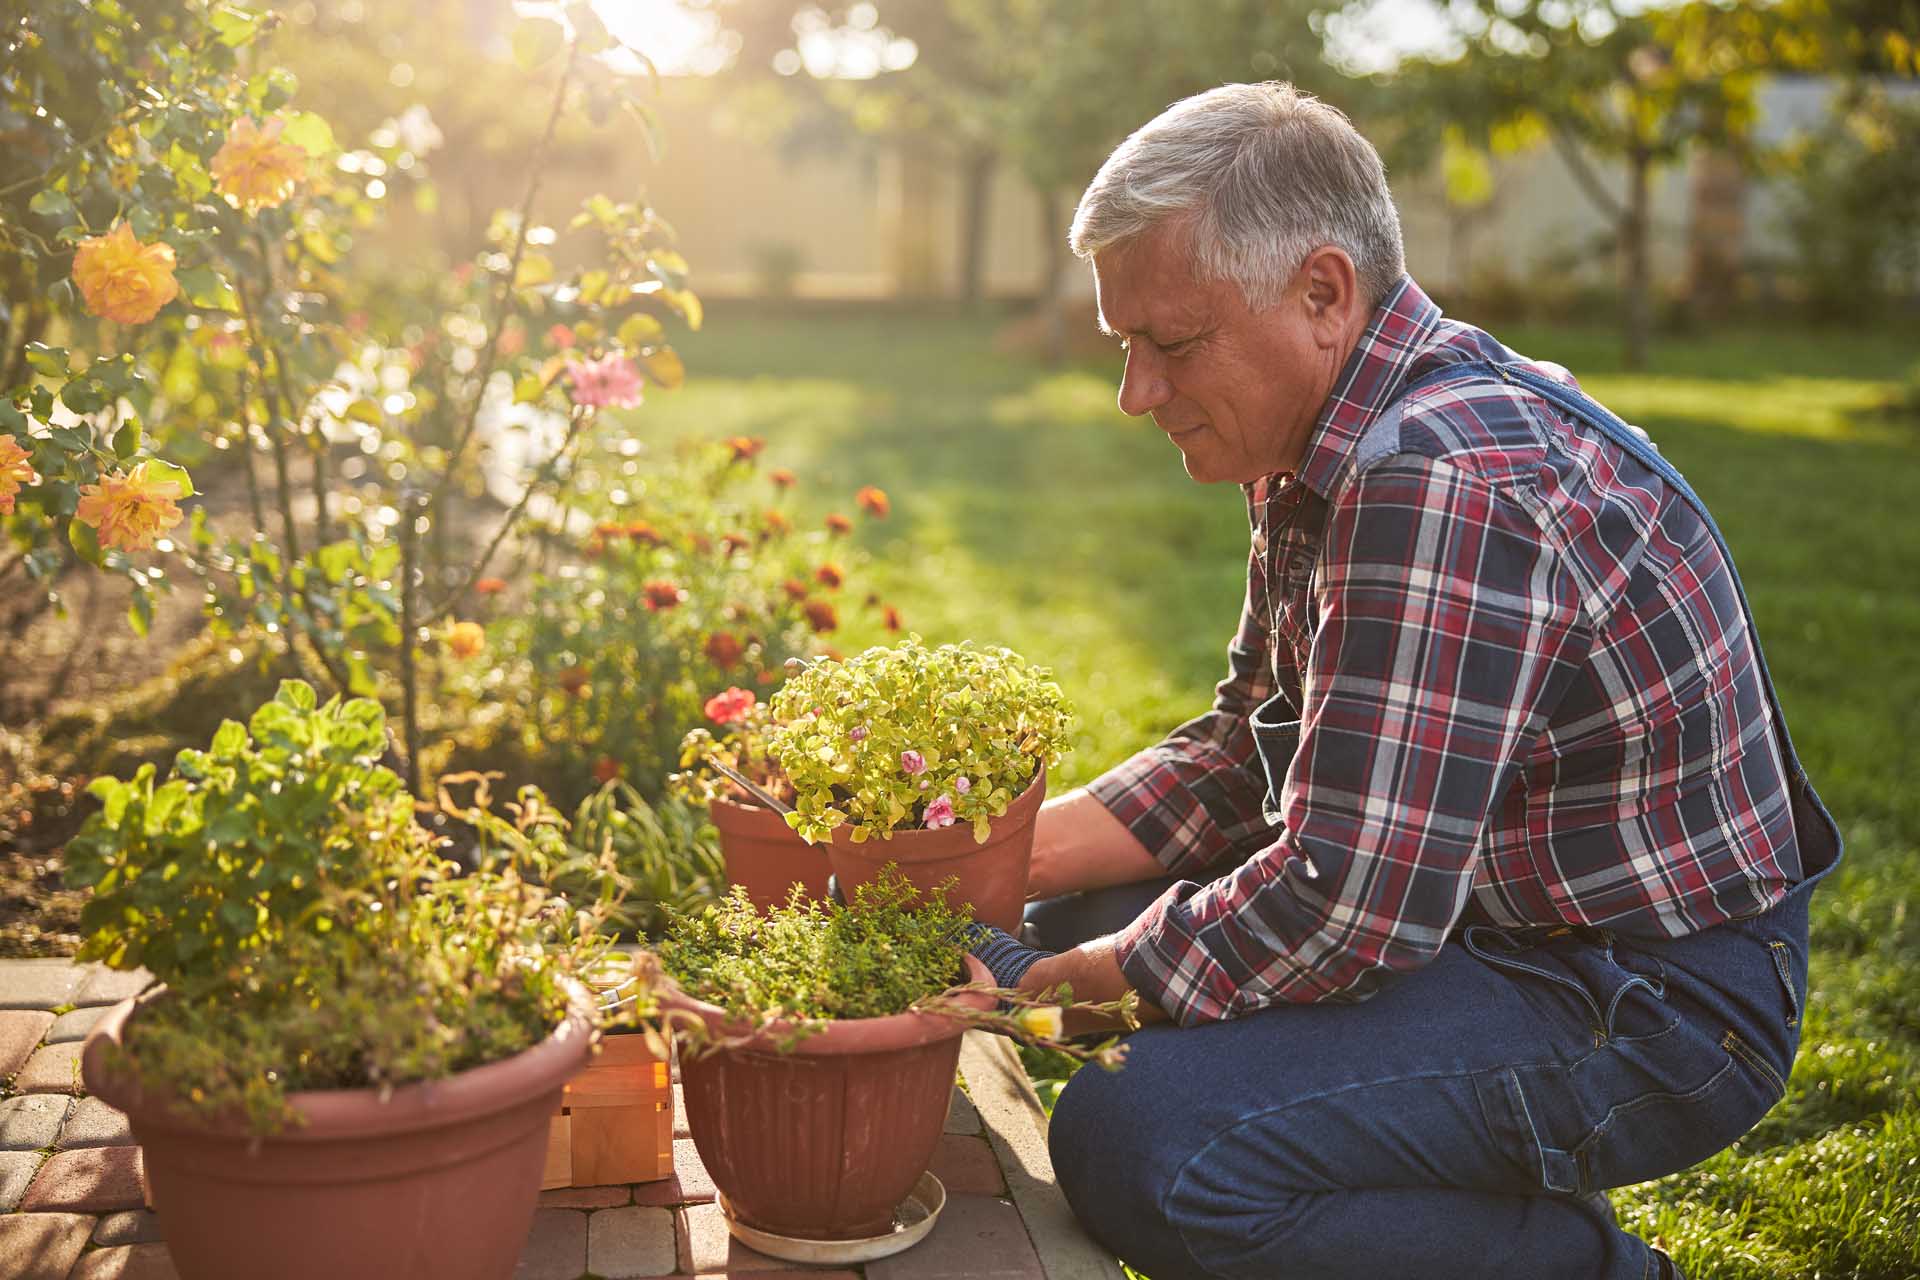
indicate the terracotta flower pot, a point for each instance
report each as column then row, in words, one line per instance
column 823, row 1142
column 439, row 1182
column 992, row 876
column 763, row 853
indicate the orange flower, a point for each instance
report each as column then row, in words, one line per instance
column 254, row 170
column 663, row 593
column 830, row 575
column 130, row 511
column 513, row 340
column 560, row 336
column 837, row 523
column 795, row 589
column 606, row 769
column 890, row 618
column 466, row 640
column 702, row 543
column 123, row 280
column 821, row 616
column 573, row 680
column 745, row 448
column 609, row 529
column 643, row 533
column 875, row 501
column 490, row 586
column 783, row 477
column 775, row 522
column 732, row 542
column 16, row 469
column 724, row 649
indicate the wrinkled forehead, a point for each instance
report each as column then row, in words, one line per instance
column 1146, row 286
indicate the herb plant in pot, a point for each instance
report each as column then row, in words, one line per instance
column 351, row 1063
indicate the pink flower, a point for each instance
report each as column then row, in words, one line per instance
column 939, row 814
column 611, row 381
column 734, row 704
column 913, row 762
column 961, row 784
column 858, row 733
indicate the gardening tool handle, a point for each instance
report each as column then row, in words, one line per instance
column 750, row 787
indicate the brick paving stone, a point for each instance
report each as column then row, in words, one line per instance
column 585, row 1197
column 127, row 1262
column 33, row 1121
column 965, row 1166
column 961, row 1116
column 631, row 1242
column 94, row 1180
column 16, row 1173
column 668, row 1192
column 976, row 1238
column 38, row 984
column 94, row 1123
column 556, row 1247
column 104, row 986
column 135, row 1226
column 707, row 1247
column 53, row 1068
column 695, row 1181
column 74, row 1024
column 41, row 1246
column 20, row 1034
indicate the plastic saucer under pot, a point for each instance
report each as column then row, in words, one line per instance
column 912, row 1220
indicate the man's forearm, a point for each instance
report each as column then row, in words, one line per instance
column 1092, row 969
column 1079, row 845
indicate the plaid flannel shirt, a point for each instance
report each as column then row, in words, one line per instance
column 1527, row 696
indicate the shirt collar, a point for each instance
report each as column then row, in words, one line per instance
column 1372, row 377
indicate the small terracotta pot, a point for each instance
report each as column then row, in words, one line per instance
column 763, row 853
column 992, row 876
column 823, row 1142
column 439, row 1182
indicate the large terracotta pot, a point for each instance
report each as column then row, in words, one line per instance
column 764, row 854
column 823, row 1142
column 992, row 876
column 438, row 1182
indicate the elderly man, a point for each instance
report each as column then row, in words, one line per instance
column 1483, row 885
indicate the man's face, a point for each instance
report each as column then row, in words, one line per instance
column 1238, row 392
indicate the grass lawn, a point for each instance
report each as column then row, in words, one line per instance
column 1028, row 511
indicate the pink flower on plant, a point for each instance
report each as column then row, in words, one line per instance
column 913, row 762
column 858, row 733
column 962, row 785
column 939, row 814
column 735, row 704
column 612, row 381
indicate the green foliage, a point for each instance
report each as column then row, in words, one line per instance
column 812, row 961
column 871, row 743
column 667, row 851
column 1852, row 203
column 308, row 934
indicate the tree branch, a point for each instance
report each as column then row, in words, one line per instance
column 1583, row 174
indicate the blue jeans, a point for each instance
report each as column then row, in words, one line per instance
column 1445, row 1128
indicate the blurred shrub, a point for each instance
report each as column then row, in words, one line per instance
column 1852, row 206
column 669, row 852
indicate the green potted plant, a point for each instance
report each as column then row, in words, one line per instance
column 817, row 1051
column 934, row 759
column 352, row 1059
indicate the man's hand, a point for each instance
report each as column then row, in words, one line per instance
column 1093, row 970
column 1078, row 845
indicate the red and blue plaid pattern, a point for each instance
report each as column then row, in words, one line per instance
column 1527, row 695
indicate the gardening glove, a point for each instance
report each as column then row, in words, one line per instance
column 1006, row 957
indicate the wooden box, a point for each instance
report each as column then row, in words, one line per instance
column 616, row 1120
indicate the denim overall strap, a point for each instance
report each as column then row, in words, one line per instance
column 1817, row 834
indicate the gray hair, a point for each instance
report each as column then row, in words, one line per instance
column 1262, row 175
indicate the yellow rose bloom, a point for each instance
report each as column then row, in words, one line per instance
column 255, row 170
column 123, row 280
column 16, row 469
column 129, row 511
column 1043, row 1021
column 466, row 640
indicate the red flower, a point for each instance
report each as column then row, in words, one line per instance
column 573, row 680
column 560, row 336
column 609, row 529
column 732, row 542
column 745, row 448
column 490, row 586
column 606, row 769
column 663, row 593
column 830, row 575
column 820, row 615
column 837, row 523
column 875, row 501
column 643, row 533
column 724, row 649
column 795, row 589
column 734, row 704
column 891, row 618
column 783, row 477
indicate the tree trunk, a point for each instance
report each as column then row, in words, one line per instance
column 1716, row 231
column 1053, row 262
column 1633, row 245
column 975, row 207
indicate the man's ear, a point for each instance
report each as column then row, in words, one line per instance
column 1331, row 295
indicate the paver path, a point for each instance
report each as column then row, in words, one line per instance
column 73, row 1203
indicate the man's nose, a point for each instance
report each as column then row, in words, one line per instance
column 1143, row 383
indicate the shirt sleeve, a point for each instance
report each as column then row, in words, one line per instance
column 1196, row 797
column 1448, row 630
